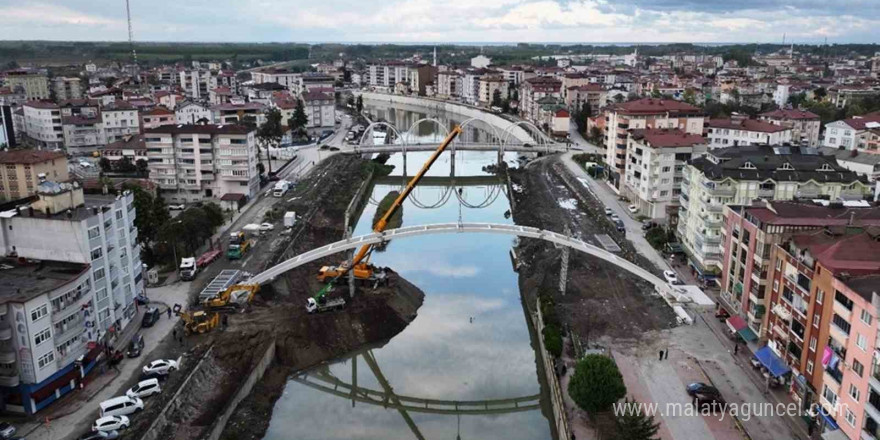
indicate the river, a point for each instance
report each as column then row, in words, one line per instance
column 470, row 341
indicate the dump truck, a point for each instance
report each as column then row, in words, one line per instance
column 281, row 188
column 238, row 245
column 324, row 305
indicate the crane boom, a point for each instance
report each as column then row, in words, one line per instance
column 380, row 225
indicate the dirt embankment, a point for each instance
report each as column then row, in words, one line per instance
column 601, row 299
column 278, row 316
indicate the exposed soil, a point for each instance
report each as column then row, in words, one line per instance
column 277, row 316
column 601, row 301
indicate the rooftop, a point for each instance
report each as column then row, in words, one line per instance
column 29, row 156
column 763, row 162
column 200, row 129
column 854, row 254
column 22, row 282
column 790, row 114
column 129, row 142
column 233, row 107
column 746, row 124
column 866, row 286
column 668, row 138
column 653, row 106
column 789, row 213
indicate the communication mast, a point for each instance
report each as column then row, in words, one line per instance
column 134, row 58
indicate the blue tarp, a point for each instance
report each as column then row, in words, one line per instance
column 772, row 362
column 830, row 424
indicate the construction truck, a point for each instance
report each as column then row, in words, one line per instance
column 198, row 322
column 360, row 265
column 188, row 268
column 233, row 297
column 324, row 305
column 239, row 245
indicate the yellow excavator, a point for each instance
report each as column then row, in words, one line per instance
column 360, row 264
column 198, row 322
column 233, row 298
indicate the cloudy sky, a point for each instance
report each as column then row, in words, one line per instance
column 839, row 21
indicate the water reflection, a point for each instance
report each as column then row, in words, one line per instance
column 470, row 341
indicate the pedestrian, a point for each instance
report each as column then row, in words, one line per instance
column 169, row 313
column 736, row 349
column 666, row 354
column 661, row 355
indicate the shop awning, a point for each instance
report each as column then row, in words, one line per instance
column 830, row 424
column 747, row 334
column 736, row 323
column 771, row 362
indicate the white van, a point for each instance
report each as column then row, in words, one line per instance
column 121, row 406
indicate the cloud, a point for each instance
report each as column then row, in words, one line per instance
column 47, row 14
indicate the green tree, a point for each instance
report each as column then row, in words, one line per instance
column 690, row 97
column 553, row 340
column 359, row 105
column 105, row 164
column 151, row 213
column 820, row 93
column 657, row 237
column 655, row 92
column 214, row 214
column 299, row 120
column 270, row 133
column 143, row 167
column 124, row 165
column 634, row 424
column 596, row 384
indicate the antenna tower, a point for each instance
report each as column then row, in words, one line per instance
column 134, row 58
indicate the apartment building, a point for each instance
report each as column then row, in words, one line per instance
column 513, row 75
column 197, row 83
column 189, row 112
column 804, row 125
column 132, row 147
column 119, row 119
column 852, row 133
column 470, row 85
column 282, row 76
column 22, row 169
column 739, row 175
column 310, row 81
column 35, row 83
column 421, row 77
column 489, row 84
column 655, row 161
column 42, row 124
column 74, row 273
column 532, row 91
column 739, row 130
column 195, row 162
column 641, row 114
column 449, row 84
column 570, row 80
column 320, row 108
column 592, row 94
column 387, row 74
column 67, row 88
column 157, row 117
column 237, row 113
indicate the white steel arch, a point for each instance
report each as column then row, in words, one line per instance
column 446, row 228
column 415, row 124
column 509, row 131
column 494, row 130
column 369, row 130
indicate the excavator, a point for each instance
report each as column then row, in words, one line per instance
column 360, row 264
column 232, row 298
column 197, row 322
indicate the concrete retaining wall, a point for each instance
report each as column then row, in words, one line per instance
column 560, row 420
column 161, row 421
column 243, row 391
column 500, row 124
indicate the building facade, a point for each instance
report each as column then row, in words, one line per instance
column 805, row 125
column 741, row 131
column 42, row 124
column 35, row 83
column 22, row 169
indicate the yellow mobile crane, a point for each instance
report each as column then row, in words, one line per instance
column 360, row 264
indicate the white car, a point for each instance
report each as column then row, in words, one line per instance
column 670, row 276
column 614, row 218
column 608, row 211
column 111, row 423
column 144, row 388
column 161, row 366
column 633, row 209
column 176, row 207
column 266, row 227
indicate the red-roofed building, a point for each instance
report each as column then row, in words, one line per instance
column 804, row 125
column 535, row 89
column 741, row 131
column 157, row 117
column 654, row 163
column 852, row 133
column 646, row 113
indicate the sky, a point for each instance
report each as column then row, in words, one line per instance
column 413, row 21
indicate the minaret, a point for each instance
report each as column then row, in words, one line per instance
column 435, row 56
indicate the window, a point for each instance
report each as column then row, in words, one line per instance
column 42, row 336
column 850, row 418
column 94, row 232
column 820, row 295
column 858, row 368
column 39, row 312
column 775, row 285
column 843, row 300
column 865, row 317
column 854, row 392
column 816, row 319
column 809, row 367
column 861, row 341
column 841, row 323
column 813, row 343
column 779, row 264
column 46, row 359
column 99, row 274
column 97, row 253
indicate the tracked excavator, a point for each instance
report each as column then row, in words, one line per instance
column 360, row 264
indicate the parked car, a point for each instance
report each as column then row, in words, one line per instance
column 144, row 388
column 608, row 211
column 111, row 423
column 158, row 376
column 135, row 346
column 6, row 430
column 177, row 207
column 615, row 218
column 714, row 401
column 121, row 406
column 701, row 388
column 100, row 435
column 161, row 366
column 266, row 227
column 670, row 276
column 648, row 225
column 150, row 317
column 633, row 209
column 141, row 298
column 620, row 226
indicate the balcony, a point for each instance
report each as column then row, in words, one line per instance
column 721, row 191
column 841, row 310
column 5, row 333
column 766, row 193
column 711, row 222
column 714, row 208
column 9, row 378
column 7, row 355
column 839, row 334
column 836, row 377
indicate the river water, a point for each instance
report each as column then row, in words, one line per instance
column 470, row 341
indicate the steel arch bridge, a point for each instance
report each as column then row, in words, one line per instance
column 447, row 228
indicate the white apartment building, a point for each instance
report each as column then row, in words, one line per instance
column 534, row 90
column 387, row 74
column 42, row 123
column 192, row 113
column 513, row 75
column 35, row 83
column 119, row 119
column 655, row 161
column 804, row 125
column 852, row 133
column 738, row 176
column 67, row 88
column 195, row 162
column 470, row 86
column 277, row 75
column 320, row 108
column 449, row 84
column 641, row 114
column 77, row 288
column 740, row 131
column 236, row 113
column 197, row 83
column 489, row 84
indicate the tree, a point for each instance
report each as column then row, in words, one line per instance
column 633, row 424
column 359, row 105
column 596, row 384
column 553, row 340
column 496, row 98
column 270, row 133
column 298, row 122
column 124, row 165
column 690, row 97
column 105, row 164
column 820, row 93
column 515, row 95
column 152, row 213
column 143, row 167
column 655, row 92
column 261, row 169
